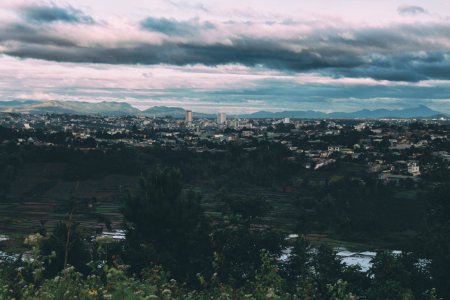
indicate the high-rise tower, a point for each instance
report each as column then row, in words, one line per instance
column 221, row 118
column 189, row 116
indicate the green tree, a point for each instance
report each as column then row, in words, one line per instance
column 327, row 269
column 391, row 278
column 436, row 237
column 167, row 226
column 239, row 239
column 248, row 208
column 298, row 266
column 64, row 250
column 268, row 282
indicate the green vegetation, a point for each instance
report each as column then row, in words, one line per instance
column 213, row 224
column 173, row 251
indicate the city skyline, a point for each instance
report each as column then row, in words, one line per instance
column 233, row 57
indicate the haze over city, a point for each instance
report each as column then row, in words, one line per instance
column 230, row 56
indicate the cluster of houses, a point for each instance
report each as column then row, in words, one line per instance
column 396, row 150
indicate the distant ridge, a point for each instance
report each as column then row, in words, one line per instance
column 174, row 112
column 420, row 111
column 162, row 111
column 68, row 107
column 17, row 102
column 92, row 108
column 123, row 108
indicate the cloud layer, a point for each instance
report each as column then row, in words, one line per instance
column 412, row 49
column 397, row 52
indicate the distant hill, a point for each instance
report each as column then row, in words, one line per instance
column 16, row 102
column 162, row 111
column 68, row 107
column 297, row 114
column 174, row 112
column 90, row 108
column 420, row 111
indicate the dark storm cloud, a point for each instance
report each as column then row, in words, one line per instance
column 397, row 53
column 246, row 52
column 53, row 13
column 173, row 27
column 23, row 34
column 49, row 14
column 411, row 10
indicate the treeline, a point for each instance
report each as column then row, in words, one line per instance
column 10, row 163
column 265, row 165
column 357, row 208
column 173, row 251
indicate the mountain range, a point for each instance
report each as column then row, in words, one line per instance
column 420, row 111
column 123, row 108
column 68, row 107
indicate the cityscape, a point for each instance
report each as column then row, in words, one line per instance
column 193, row 149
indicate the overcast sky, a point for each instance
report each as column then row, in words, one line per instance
column 231, row 56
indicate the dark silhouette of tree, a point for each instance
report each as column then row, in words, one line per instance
column 327, row 268
column 63, row 250
column 436, row 237
column 298, row 268
column 248, row 208
column 167, row 226
column 392, row 278
column 240, row 237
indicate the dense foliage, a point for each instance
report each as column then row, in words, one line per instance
column 173, row 251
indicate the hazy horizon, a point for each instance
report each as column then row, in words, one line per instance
column 211, row 111
column 229, row 56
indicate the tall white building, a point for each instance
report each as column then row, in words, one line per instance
column 189, row 116
column 221, row 118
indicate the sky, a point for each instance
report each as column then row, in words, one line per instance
column 229, row 56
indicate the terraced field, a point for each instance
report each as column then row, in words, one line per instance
column 41, row 191
column 39, row 194
column 282, row 213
